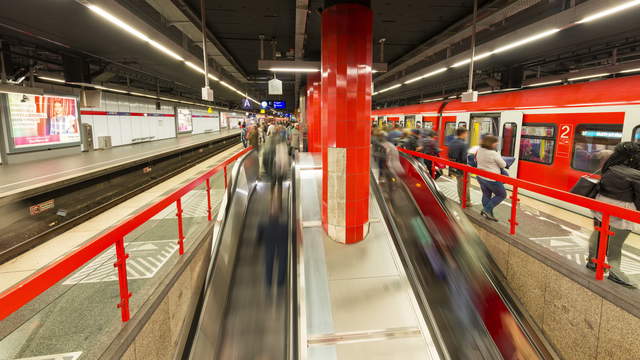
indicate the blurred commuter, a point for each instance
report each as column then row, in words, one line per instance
column 294, row 140
column 493, row 192
column 378, row 139
column 458, row 149
column 261, row 133
column 619, row 185
column 391, row 167
column 429, row 146
column 253, row 137
column 394, row 135
column 270, row 129
column 273, row 235
column 411, row 139
column 243, row 134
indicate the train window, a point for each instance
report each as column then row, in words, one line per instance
column 449, row 132
column 509, row 131
column 636, row 134
column 410, row 121
column 481, row 126
column 537, row 143
column 594, row 144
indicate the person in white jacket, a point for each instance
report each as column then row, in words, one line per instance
column 493, row 192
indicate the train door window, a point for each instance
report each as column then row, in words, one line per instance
column 593, row 145
column 481, row 126
column 636, row 134
column 449, row 131
column 537, row 143
column 410, row 121
column 509, row 135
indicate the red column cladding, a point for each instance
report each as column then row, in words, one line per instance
column 345, row 118
column 313, row 112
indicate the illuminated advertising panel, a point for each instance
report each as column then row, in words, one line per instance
column 185, row 121
column 37, row 121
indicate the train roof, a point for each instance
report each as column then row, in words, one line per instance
column 619, row 91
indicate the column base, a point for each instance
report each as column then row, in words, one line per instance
column 348, row 235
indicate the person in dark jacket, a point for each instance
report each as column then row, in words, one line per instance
column 458, row 150
column 429, row 146
column 619, row 185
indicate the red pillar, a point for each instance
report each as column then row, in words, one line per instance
column 313, row 112
column 345, row 118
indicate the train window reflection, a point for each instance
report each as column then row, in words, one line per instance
column 449, row 132
column 537, row 143
column 509, row 131
column 593, row 145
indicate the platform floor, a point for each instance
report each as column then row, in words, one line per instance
column 16, row 178
column 562, row 231
column 358, row 302
column 78, row 316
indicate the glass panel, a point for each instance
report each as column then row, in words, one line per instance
column 593, row 145
column 449, row 132
column 410, row 121
column 481, row 126
column 538, row 130
column 509, row 131
column 537, row 149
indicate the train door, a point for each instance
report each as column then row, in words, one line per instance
column 410, row 121
column 510, row 129
column 401, row 123
column 631, row 129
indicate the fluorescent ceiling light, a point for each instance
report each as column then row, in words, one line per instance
column 629, row 71
column 294, row 70
column 463, row 62
column 435, row 72
column 194, row 67
column 162, row 48
column 432, row 100
column 546, row 83
column 589, row 77
column 119, row 23
column 51, row 79
column 610, row 11
column 143, row 95
column 476, row 58
column 527, row 40
column 213, row 77
column 390, row 88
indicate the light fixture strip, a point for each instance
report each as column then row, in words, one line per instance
column 294, row 70
column 589, row 77
column 610, row 11
column 545, row 83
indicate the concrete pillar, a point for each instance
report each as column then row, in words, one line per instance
column 345, row 118
column 313, row 112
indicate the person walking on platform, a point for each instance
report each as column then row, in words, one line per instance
column 493, row 192
column 294, row 140
column 458, row 149
column 254, row 137
column 619, row 185
column 243, row 134
column 430, row 146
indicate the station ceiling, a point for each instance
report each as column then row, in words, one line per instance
column 41, row 32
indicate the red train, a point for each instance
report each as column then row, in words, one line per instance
column 556, row 134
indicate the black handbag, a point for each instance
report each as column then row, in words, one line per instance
column 586, row 186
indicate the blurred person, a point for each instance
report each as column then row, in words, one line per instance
column 294, row 140
column 394, row 135
column 391, row 166
column 243, row 134
column 488, row 159
column 378, row 151
column 619, row 185
column 261, row 133
column 458, row 150
column 429, row 146
column 411, row 139
column 253, row 137
column 273, row 234
column 270, row 129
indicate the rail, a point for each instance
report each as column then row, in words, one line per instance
column 607, row 210
column 28, row 289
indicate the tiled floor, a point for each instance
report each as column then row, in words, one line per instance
column 357, row 290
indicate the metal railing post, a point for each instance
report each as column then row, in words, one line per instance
column 465, row 186
column 514, row 209
column 180, row 229
column 121, row 265
column 601, row 265
column 225, row 176
column 208, row 184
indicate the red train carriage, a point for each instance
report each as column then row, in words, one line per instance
column 556, row 134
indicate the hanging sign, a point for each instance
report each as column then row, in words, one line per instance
column 275, row 87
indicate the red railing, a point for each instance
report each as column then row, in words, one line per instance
column 607, row 210
column 26, row 290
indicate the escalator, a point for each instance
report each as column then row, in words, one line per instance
column 246, row 310
column 470, row 311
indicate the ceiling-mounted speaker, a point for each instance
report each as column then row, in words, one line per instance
column 75, row 69
column 90, row 98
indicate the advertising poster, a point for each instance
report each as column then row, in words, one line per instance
column 36, row 120
column 185, row 122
